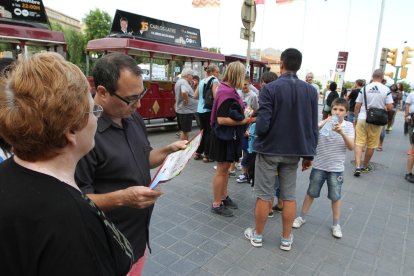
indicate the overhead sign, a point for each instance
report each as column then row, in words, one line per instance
column 248, row 13
column 340, row 69
column 244, row 34
column 26, row 10
column 132, row 25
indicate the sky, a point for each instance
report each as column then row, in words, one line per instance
column 318, row 28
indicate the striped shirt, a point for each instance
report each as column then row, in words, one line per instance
column 331, row 150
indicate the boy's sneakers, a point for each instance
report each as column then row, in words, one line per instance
column 271, row 215
column 357, row 172
column 336, row 231
column 277, row 209
column 255, row 240
column 286, row 244
column 229, row 203
column 243, row 179
column 298, row 222
column 222, row 211
column 366, row 169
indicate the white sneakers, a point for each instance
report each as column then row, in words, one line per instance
column 298, row 222
column 336, row 231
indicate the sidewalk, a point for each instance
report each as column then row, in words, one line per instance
column 377, row 222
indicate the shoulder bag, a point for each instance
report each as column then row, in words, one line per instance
column 375, row 116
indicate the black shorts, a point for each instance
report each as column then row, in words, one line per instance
column 185, row 122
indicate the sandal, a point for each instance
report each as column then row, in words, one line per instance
column 207, row 160
column 379, row 149
column 198, row 156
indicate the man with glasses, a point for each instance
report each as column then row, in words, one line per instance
column 186, row 105
column 116, row 173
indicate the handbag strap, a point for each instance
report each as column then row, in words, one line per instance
column 365, row 99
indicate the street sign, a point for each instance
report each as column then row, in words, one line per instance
column 248, row 13
column 244, row 34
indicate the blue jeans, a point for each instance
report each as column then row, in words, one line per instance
column 350, row 117
column 334, row 181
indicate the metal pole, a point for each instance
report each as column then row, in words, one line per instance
column 250, row 36
column 378, row 35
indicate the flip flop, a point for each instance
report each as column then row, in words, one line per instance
column 379, row 149
column 207, row 160
column 198, row 156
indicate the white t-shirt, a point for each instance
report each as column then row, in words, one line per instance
column 410, row 101
column 331, row 150
column 378, row 95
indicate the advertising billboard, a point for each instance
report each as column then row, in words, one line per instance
column 126, row 24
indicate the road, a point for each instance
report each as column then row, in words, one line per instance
column 377, row 222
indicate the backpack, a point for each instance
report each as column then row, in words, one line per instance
column 208, row 94
column 331, row 97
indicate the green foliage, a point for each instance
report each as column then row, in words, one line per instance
column 406, row 86
column 75, row 41
column 98, row 24
column 318, row 83
column 214, row 50
column 348, row 84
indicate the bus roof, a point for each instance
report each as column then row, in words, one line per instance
column 243, row 59
column 31, row 36
column 146, row 48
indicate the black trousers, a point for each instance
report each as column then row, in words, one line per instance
column 205, row 140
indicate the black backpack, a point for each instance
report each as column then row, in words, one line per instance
column 331, row 97
column 208, row 94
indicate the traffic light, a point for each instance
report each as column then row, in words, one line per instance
column 406, row 56
column 403, row 74
column 390, row 75
column 392, row 56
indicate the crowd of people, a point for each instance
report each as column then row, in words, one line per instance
column 74, row 192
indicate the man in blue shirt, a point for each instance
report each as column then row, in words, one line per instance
column 286, row 129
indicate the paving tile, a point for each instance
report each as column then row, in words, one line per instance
column 178, row 232
column 195, row 239
column 165, row 257
column 181, row 248
column 165, row 240
column 199, row 256
column 211, row 247
column 152, row 268
column 360, row 267
column 217, row 266
column 207, row 231
column 300, row 270
column 183, row 267
column 237, row 271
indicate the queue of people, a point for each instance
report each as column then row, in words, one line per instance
column 74, row 194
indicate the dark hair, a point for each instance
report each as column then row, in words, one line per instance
column 268, row 77
column 360, row 82
column 108, row 69
column 333, row 86
column 393, row 87
column 195, row 77
column 341, row 101
column 292, row 59
column 123, row 19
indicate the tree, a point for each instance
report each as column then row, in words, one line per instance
column 318, row 83
column 406, row 86
column 98, row 24
column 75, row 41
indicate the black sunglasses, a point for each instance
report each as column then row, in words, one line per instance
column 133, row 99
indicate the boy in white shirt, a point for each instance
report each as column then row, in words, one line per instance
column 328, row 165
